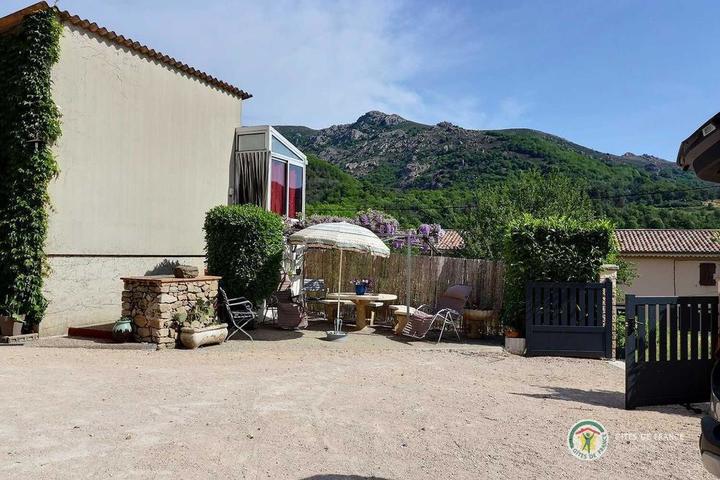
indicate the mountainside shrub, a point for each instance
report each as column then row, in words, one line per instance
column 244, row 245
column 554, row 249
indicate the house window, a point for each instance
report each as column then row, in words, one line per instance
column 707, row 274
column 251, row 141
column 279, row 147
column 277, row 187
column 295, row 191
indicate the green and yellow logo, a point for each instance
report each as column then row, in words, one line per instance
column 587, row 440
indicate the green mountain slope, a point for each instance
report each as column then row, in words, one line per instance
column 423, row 172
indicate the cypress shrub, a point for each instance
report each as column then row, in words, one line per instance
column 554, row 249
column 244, row 245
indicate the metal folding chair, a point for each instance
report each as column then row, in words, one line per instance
column 238, row 312
column 448, row 311
column 313, row 292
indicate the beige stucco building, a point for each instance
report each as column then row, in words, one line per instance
column 148, row 145
column 671, row 262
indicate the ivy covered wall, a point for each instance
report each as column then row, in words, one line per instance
column 29, row 124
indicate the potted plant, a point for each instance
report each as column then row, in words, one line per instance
column 11, row 321
column 198, row 327
column 361, row 286
column 123, row 330
column 514, row 338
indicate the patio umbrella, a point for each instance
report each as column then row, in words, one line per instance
column 341, row 236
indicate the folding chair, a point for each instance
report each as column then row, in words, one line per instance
column 449, row 310
column 238, row 312
column 313, row 292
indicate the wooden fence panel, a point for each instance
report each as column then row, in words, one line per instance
column 431, row 276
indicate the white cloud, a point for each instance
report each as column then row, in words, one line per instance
column 314, row 62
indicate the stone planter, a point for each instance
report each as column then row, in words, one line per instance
column 515, row 345
column 153, row 301
column 197, row 337
column 10, row 327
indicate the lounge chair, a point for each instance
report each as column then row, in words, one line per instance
column 290, row 312
column 236, row 312
column 449, row 310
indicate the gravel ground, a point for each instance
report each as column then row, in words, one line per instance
column 291, row 406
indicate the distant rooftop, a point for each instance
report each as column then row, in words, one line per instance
column 451, row 241
column 14, row 19
column 668, row 242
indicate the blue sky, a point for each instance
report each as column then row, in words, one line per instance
column 617, row 76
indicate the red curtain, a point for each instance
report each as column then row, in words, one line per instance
column 296, row 191
column 277, row 187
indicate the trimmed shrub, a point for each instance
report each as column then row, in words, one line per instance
column 244, row 245
column 555, row 249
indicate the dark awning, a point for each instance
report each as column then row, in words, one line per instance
column 701, row 151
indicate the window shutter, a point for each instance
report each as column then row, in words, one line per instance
column 707, row 274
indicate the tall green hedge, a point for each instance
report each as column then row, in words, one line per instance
column 27, row 112
column 244, row 245
column 555, row 249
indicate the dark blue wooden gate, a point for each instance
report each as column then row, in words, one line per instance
column 669, row 349
column 569, row 319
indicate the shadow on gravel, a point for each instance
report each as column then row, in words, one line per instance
column 604, row 398
column 342, row 477
column 611, row 399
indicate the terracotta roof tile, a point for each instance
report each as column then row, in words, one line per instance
column 14, row 19
column 452, row 240
column 668, row 242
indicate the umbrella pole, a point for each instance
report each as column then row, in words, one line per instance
column 407, row 279
column 338, row 328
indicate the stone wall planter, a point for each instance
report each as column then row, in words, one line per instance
column 153, row 301
column 515, row 345
column 197, row 337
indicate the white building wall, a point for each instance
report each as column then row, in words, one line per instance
column 669, row 276
column 146, row 150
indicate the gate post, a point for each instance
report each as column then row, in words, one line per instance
column 609, row 272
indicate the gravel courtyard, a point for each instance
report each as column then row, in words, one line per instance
column 291, row 406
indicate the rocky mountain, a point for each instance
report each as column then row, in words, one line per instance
column 420, row 165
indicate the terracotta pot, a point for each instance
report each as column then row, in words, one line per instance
column 512, row 333
column 197, row 337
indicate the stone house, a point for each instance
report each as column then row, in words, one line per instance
column 671, row 262
column 148, row 145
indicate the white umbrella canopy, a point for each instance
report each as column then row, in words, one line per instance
column 340, row 236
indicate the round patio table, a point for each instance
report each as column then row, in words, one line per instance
column 361, row 302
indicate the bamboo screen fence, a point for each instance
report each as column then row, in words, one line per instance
column 431, row 276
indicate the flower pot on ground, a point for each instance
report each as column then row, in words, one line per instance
column 514, row 341
column 11, row 325
column 198, row 326
column 197, row 337
column 11, row 320
column 515, row 345
column 122, row 330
